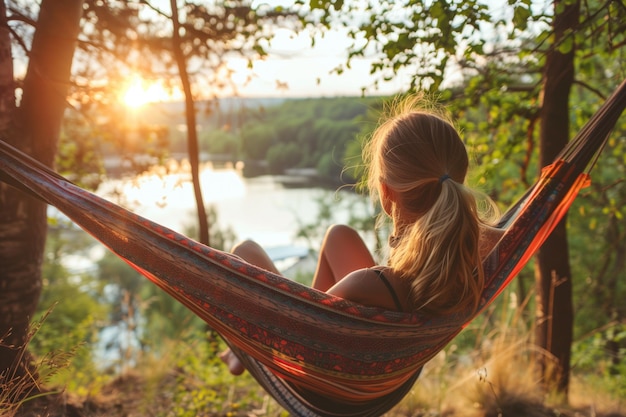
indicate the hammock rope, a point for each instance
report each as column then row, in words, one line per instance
column 317, row 354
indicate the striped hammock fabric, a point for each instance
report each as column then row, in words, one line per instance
column 317, row 354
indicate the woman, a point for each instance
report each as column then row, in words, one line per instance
column 417, row 165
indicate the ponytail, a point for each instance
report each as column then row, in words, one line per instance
column 439, row 253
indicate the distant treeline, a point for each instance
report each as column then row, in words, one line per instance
column 318, row 133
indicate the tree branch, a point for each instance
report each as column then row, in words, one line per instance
column 156, row 9
column 19, row 40
column 590, row 88
column 19, row 17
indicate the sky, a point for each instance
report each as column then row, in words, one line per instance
column 295, row 68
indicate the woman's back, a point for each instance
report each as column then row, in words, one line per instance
column 381, row 286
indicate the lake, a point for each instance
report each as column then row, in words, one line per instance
column 262, row 208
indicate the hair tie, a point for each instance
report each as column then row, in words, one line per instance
column 443, row 178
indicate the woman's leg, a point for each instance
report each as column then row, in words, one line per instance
column 253, row 253
column 342, row 251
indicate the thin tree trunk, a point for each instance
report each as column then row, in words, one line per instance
column 23, row 221
column 553, row 274
column 7, row 84
column 192, row 133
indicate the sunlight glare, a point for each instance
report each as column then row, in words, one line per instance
column 139, row 93
column 171, row 186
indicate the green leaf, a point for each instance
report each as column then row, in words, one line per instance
column 566, row 45
column 521, row 14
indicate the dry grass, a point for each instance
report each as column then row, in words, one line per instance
column 504, row 389
column 25, row 380
column 504, row 386
column 499, row 379
column 496, row 380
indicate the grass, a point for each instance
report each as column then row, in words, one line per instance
column 497, row 378
column 25, row 381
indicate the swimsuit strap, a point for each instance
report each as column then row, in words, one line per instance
column 384, row 279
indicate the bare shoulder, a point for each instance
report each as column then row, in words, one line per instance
column 364, row 286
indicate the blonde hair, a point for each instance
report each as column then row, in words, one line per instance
column 419, row 155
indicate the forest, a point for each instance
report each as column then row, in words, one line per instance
column 283, row 134
column 519, row 80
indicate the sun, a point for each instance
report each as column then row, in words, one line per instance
column 140, row 92
column 134, row 95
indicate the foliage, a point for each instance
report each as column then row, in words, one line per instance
column 256, row 140
column 307, row 133
column 78, row 157
column 69, row 302
column 74, row 313
column 204, row 385
column 220, row 141
column 359, row 214
column 280, row 158
column 601, row 356
column 18, row 388
column 353, row 162
column 121, row 290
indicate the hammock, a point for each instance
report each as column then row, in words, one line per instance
column 316, row 354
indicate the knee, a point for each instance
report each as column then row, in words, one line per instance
column 253, row 253
column 245, row 247
column 341, row 232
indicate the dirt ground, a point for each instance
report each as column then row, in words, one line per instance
column 125, row 397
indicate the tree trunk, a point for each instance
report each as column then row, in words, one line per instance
column 192, row 134
column 23, row 221
column 7, row 85
column 553, row 275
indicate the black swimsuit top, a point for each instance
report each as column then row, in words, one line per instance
column 385, row 281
